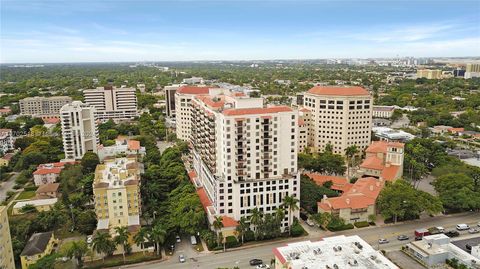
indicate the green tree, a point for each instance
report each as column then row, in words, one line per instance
column 140, row 238
column 242, row 227
column 217, row 225
column 458, row 191
column 89, row 162
column 255, row 219
column 350, row 152
column 121, row 238
column 291, row 203
column 158, row 235
column 75, row 249
column 86, row 222
column 103, row 244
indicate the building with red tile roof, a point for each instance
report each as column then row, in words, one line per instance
column 383, row 160
column 123, row 146
column 193, row 90
column 340, row 184
column 47, row 173
column 357, row 203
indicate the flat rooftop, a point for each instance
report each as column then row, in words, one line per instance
column 342, row 251
column 471, row 241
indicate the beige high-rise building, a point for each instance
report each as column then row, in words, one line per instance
column 43, row 106
column 244, row 155
column 116, row 190
column 340, row 116
column 79, row 130
column 472, row 70
column 6, row 252
column 112, row 103
column 429, row 73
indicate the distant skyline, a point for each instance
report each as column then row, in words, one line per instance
column 34, row 31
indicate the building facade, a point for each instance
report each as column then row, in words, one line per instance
column 244, row 155
column 383, row 160
column 79, row 130
column 6, row 140
column 183, row 114
column 38, row 246
column 385, row 112
column 6, row 251
column 123, row 146
column 429, row 73
column 170, row 100
column 472, row 71
column 116, row 190
column 43, row 106
column 112, row 102
column 340, row 116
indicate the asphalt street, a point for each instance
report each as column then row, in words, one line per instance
column 263, row 250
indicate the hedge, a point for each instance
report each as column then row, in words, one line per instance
column 361, row 224
column 231, row 242
column 340, row 227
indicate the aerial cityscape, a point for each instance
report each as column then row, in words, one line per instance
column 235, row 134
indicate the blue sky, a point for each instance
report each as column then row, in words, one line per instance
column 122, row 30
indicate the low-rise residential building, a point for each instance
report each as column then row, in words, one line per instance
column 116, row 190
column 47, row 191
column 331, row 252
column 40, row 205
column 43, row 106
column 6, row 251
column 383, row 111
column 357, row 203
column 435, row 249
column 6, row 140
column 456, row 130
column 123, row 146
column 48, row 172
column 440, row 129
column 5, row 159
column 383, row 160
column 38, row 246
column 5, row 111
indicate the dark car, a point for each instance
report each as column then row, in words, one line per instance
column 418, row 238
column 452, row 233
column 402, row 237
column 255, row 262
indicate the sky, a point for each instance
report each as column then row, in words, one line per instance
column 35, row 31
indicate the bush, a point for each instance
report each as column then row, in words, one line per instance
column 361, row 224
column 338, row 224
column 30, row 188
column 249, row 236
column 296, row 229
column 231, row 242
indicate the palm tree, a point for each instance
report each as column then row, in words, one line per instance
column 158, row 235
column 291, row 203
column 350, row 152
column 103, row 244
column 255, row 218
column 242, row 227
column 122, row 239
column 140, row 238
column 77, row 249
column 217, row 225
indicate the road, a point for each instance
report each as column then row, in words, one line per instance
column 7, row 186
column 241, row 257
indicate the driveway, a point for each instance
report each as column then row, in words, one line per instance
column 7, row 186
column 426, row 186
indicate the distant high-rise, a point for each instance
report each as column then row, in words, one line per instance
column 79, row 129
column 340, row 116
column 429, row 74
column 112, row 103
column 43, row 106
column 170, row 100
column 472, row 71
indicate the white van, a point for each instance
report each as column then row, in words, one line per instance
column 462, row 227
column 193, row 240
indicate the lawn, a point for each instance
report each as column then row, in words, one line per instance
column 26, row 195
column 117, row 260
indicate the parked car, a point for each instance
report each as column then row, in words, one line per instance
column 181, row 258
column 89, row 239
column 402, row 237
column 178, row 239
column 193, row 240
column 310, row 222
column 421, row 232
column 436, row 230
column 418, row 238
column 452, row 233
column 473, row 231
column 383, row 241
column 468, row 247
column 263, row 266
column 462, row 227
column 255, row 262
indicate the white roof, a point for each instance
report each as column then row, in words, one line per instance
column 39, row 202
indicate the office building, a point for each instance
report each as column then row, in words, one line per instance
column 340, row 116
column 38, row 246
column 6, row 140
column 384, row 160
column 472, row 71
column 79, row 130
column 116, row 191
column 112, row 103
column 331, row 252
column 429, row 73
column 170, row 99
column 244, row 155
column 43, row 106
column 6, row 251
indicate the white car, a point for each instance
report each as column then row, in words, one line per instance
column 178, row 239
column 263, row 266
column 383, row 241
column 89, row 239
column 462, row 227
column 181, row 258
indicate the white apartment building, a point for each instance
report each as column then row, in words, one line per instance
column 385, row 112
column 183, row 117
column 112, row 103
column 244, row 154
column 340, row 116
column 6, row 140
column 43, row 106
column 79, row 129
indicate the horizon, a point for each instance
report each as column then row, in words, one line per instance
column 184, row 31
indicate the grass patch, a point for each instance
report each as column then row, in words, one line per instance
column 64, row 232
column 199, row 246
column 26, row 195
column 117, row 260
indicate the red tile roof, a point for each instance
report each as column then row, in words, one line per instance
column 5, row 110
column 229, row 222
column 381, row 146
column 57, row 164
column 51, row 120
column 204, row 198
column 335, row 90
column 133, row 144
column 193, row 90
column 213, row 102
column 339, row 183
column 42, row 171
column 251, row 111
column 372, row 162
column 456, row 130
column 389, row 173
column 304, row 109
